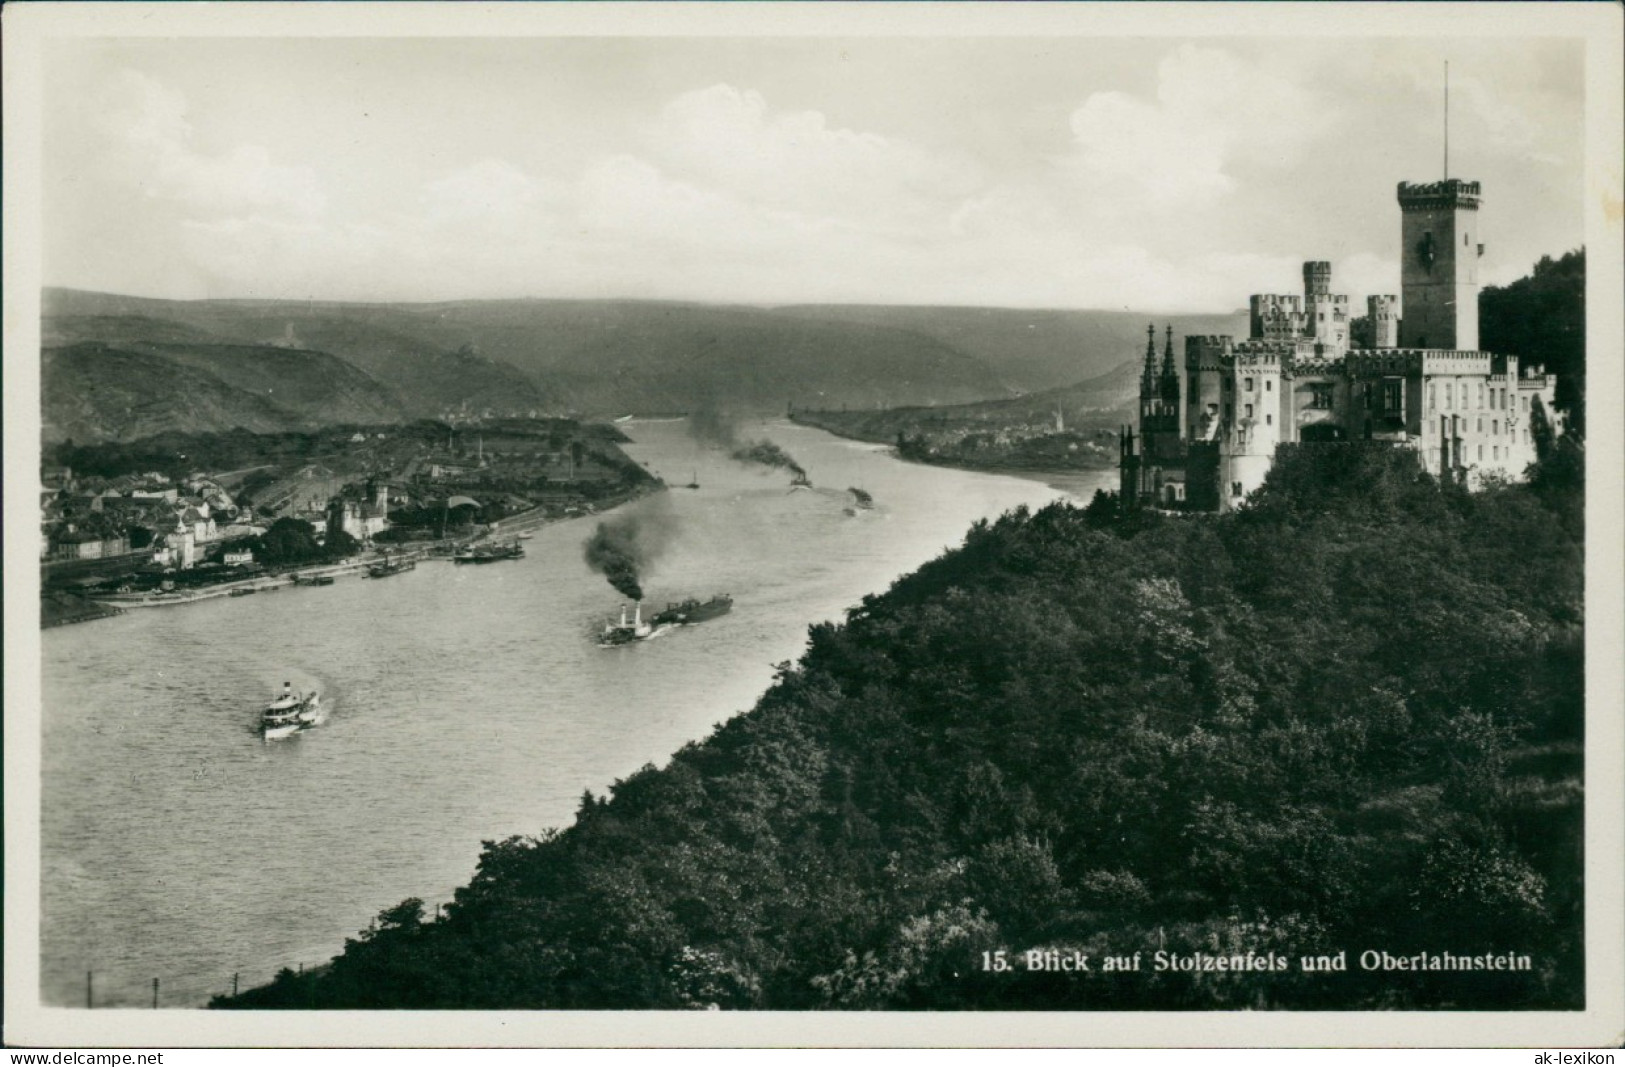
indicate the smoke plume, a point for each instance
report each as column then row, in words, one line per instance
column 713, row 427
column 716, row 428
column 623, row 548
column 769, row 455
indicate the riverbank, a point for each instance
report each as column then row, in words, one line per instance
column 63, row 609
column 1078, row 482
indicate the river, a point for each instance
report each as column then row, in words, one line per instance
column 465, row 703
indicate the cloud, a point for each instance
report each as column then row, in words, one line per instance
column 491, row 190
column 729, row 139
column 1177, row 150
column 152, row 146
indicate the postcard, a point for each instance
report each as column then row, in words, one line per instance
column 813, row 524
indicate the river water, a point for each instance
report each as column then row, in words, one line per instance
column 465, row 703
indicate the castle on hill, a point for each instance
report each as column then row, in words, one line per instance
column 1206, row 440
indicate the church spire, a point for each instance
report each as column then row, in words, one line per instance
column 1148, row 380
column 1168, row 368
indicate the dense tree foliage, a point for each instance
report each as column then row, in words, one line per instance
column 1541, row 319
column 177, row 454
column 292, row 542
column 1346, row 718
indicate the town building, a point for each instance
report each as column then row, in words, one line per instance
column 1206, row 439
column 361, row 519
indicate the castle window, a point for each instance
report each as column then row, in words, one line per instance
column 1495, row 426
column 1481, row 424
column 1481, row 453
column 1269, row 420
column 1481, row 394
column 1448, row 396
column 1433, row 396
column 1393, row 397
column 1269, row 385
column 1249, row 410
column 1249, row 385
column 1235, row 488
column 1495, row 451
column 1320, row 395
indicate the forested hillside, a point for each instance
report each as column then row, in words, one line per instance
column 1348, row 717
column 1541, row 318
column 608, row 357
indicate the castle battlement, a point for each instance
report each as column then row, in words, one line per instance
column 1431, row 196
column 1317, row 364
column 1366, row 362
column 1279, row 347
column 1450, row 362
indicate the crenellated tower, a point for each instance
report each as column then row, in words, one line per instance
column 1383, row 313
column 1439, row 251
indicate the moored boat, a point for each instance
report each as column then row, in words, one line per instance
column 389, row 566
column 489, row 553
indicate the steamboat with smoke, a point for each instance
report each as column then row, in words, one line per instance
column 627, row 630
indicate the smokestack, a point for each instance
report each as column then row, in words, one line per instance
column 637, row 614
column 623, row 616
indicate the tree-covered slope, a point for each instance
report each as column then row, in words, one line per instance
column 97, row 392
column 1347, row 718
column 1541, row 318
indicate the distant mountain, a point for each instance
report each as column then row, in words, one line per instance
column 615, row 356
column 1036, row 349
column 93, row 392
column 420, row 376
column 315, row 387
column 634, row 356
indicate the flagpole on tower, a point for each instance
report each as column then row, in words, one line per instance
column 1447, row 120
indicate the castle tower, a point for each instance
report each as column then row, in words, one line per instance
column 1439, row 252
column 1317, row 280
column 1249, row 439
column 1326, row 315
column 1383, row 311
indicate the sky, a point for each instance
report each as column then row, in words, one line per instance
column 1153, row 174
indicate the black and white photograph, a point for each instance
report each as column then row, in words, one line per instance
column 815, row 514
